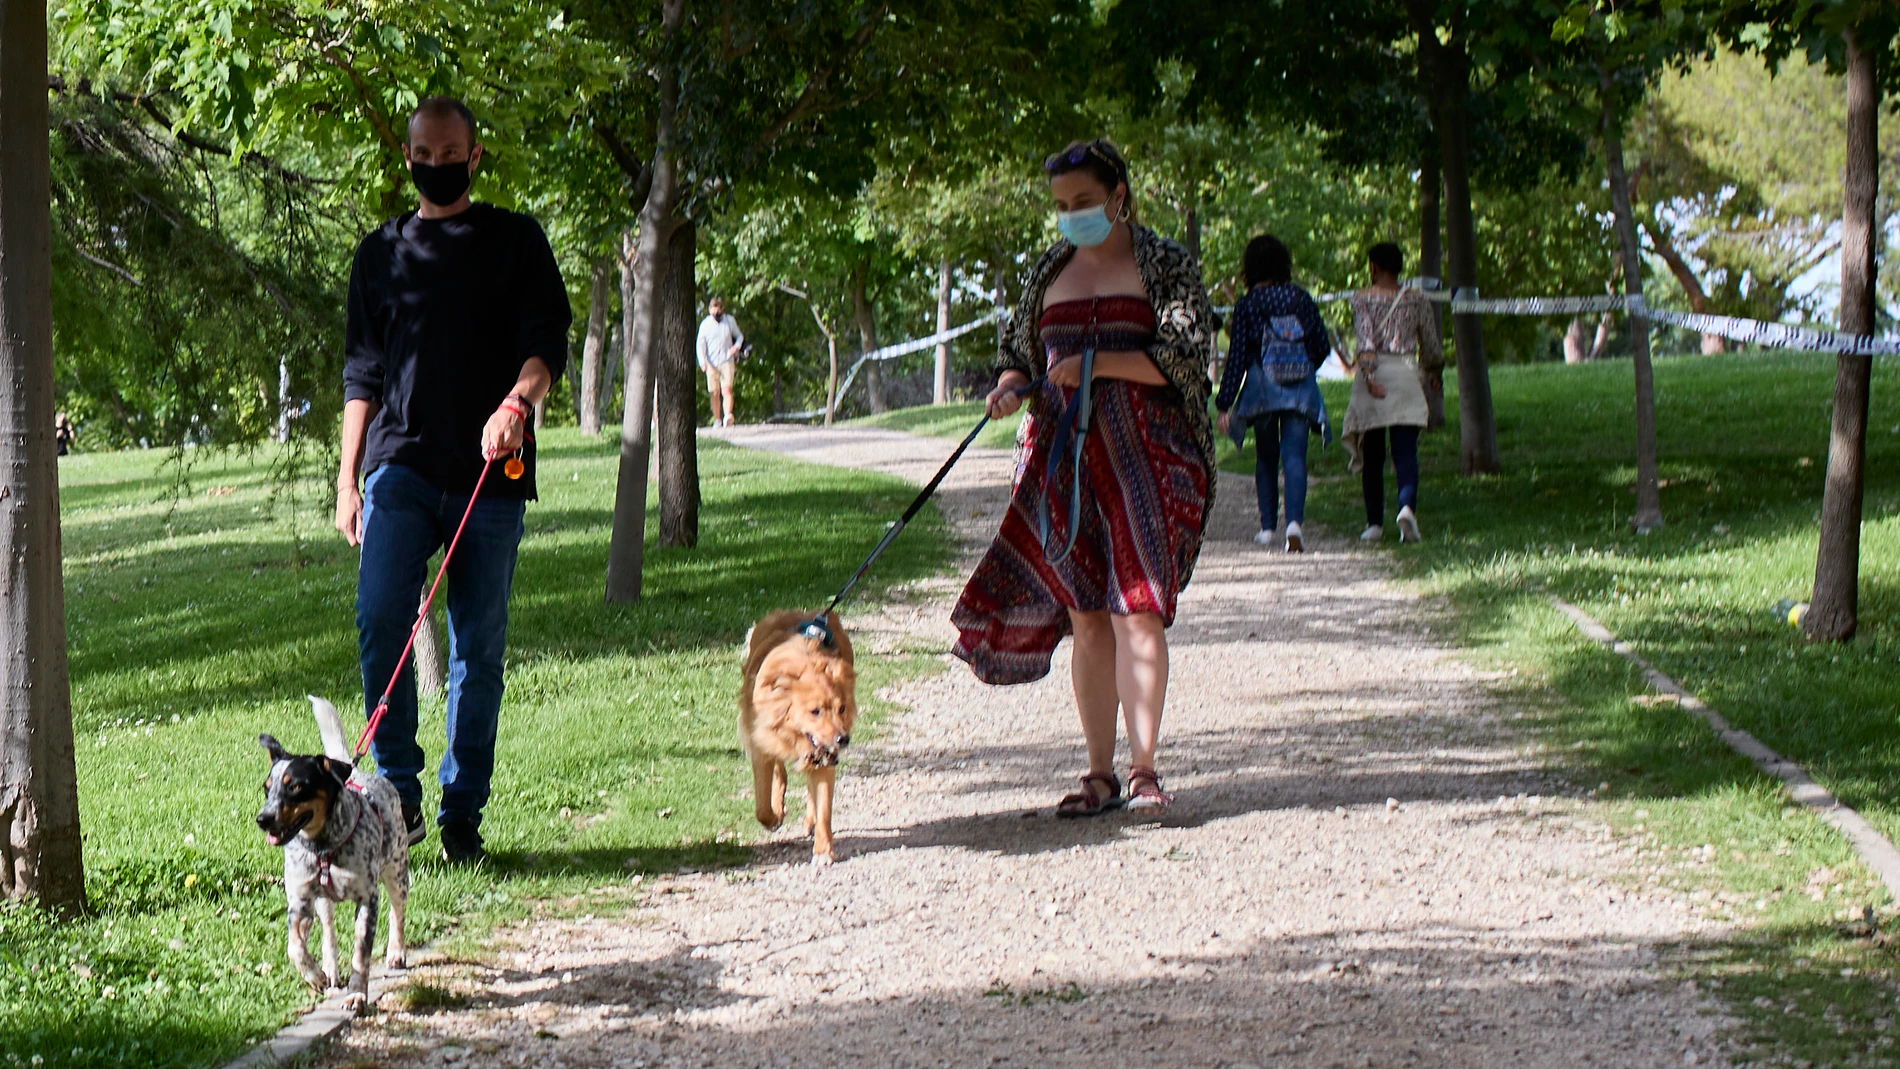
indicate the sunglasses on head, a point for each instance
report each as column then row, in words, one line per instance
column 1079, row 153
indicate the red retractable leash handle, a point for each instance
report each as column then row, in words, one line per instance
column 513, row 468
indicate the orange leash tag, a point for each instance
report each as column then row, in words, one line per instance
column 514, row 468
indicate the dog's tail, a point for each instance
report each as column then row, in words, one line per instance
column 330, row 726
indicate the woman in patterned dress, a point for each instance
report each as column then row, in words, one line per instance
column 1396, row 345
column 1146, row 479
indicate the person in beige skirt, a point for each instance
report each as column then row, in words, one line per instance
column 1395, row 344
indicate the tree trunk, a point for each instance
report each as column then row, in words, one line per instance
column 1002, row 307
column 1834, row 611
column 592, row 348
column 1446, row 72
column 626, row 552
column 40, row 848
column 831, row 380
column 615, row 357
column 1691, row 285
column 1648, row 515
column 284, row 407
column 679, row 395
column 867, row 335
column 1573, row 341
column 1191, row 219
column 1431, row 257
column 1601, row 340
column 940, row 387
column 431, row 667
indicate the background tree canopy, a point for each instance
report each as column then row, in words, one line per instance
column 216, row 159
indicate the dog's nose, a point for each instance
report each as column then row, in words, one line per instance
column 265, row 819
column 844, row 741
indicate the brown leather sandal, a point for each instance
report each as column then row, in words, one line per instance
column 1086, row 802
column 1144, row 789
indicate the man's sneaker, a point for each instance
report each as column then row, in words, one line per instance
column 1408, row 525
column 1294, row 544
column 461, row 843
column 413, row 825
column 1264, row 538
column 1372, row 533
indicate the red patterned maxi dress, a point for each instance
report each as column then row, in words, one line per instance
column 1143, row 505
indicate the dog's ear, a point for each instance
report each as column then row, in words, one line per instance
column 273, row 747
column 339, row 771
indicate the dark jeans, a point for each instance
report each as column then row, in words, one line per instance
column 1280, row 435
column 405, row 520
column 1404, row 465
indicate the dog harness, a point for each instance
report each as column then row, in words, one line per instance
column 324, row 881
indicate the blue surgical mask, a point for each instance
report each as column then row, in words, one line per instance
column 1086, row 227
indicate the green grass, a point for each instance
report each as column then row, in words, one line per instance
column 1743, row 445
column 1742, row 441
column 198, row 621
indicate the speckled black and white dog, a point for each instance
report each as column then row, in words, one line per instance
column 342, row 833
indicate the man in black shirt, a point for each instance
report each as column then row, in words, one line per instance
column 457, row 326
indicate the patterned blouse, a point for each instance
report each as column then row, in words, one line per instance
column 1184, row 327
column 1411, row 329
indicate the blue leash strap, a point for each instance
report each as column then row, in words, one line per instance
column 1071, row 434
column 818, row 627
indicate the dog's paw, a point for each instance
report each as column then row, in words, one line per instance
column 768, row 821
column 804, row 825
column 396, row 962
column 318, row 982
column 356, row 1002
column 821, row 860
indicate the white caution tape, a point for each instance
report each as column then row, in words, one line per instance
column 1747, row 331
column 1770, row 335
column 892, row 352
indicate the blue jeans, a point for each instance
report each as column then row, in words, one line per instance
column 1404, row 465
column 1282, row 435
column 405, row 520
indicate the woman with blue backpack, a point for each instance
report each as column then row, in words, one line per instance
column 1276, row 343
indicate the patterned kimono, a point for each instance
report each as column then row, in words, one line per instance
column 1147, row 479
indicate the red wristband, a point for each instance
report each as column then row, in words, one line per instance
column 513, row 404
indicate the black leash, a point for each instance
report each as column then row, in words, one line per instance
column 818, row 626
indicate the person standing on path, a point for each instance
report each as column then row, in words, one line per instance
column 1276, row 343
column 718, row 347
column 1144, row 483
column 1395, row 342
column 457, row 326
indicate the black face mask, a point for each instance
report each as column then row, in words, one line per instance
column 441, row 184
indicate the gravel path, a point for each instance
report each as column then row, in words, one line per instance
column 1367, row 865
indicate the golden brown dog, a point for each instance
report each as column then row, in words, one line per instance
column 796, row 707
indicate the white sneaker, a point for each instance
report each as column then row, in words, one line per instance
column 1294, row 544
column 1372, row 533
column 1264, row 538
column 1408, row 525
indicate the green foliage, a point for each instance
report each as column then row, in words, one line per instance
column 197, row 624
column 1744, row 166
column 328, row 87
column 183, row 281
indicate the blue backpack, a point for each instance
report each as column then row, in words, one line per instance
column 1283, row 351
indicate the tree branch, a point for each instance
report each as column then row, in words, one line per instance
column 148, row 103
column 810, row 102
column 638, row 171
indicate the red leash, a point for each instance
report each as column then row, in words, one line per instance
column 514, row 469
